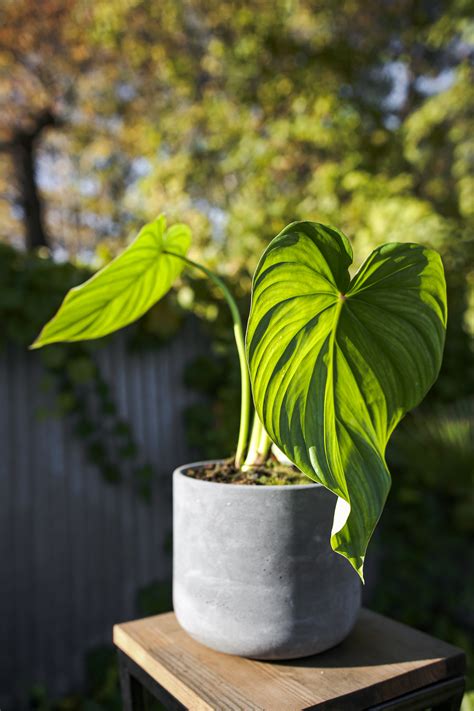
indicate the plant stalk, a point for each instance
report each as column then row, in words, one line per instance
column 259, row 446
column 264, row 445
column 252, row 452
column 245, row 395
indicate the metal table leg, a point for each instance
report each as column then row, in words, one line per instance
column 133, row 682
column 442, row 696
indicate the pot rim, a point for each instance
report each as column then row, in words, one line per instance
column 179, row 472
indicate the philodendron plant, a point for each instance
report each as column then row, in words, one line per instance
column 334, row 363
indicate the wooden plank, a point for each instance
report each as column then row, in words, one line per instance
column 380, row 660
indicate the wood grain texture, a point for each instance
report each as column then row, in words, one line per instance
column 379, row 661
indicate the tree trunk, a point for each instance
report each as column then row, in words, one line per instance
column 30, row 200
column 24, row 146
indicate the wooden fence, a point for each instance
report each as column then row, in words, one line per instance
column 74, row 550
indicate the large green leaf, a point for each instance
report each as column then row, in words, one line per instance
column 335, row 364
column 124, row 290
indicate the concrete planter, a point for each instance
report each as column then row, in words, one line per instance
column 253, row 571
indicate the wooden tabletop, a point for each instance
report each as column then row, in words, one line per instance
column 380, row 660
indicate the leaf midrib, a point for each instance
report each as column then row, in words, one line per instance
column 360, row 274
column 331, row 383
column 117, row 295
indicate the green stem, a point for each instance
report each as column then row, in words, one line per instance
column 264, row 445
column 252, row 452
column 245, row 396
column 259, row 446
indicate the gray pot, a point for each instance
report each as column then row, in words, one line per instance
column 253, row 571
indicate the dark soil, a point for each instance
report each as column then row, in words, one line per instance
column 271, row 474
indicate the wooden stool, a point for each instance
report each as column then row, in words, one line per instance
column 381, row 665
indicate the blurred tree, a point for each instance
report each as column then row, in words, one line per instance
column 37, row 63
column 266, row 113
column 253, row 113
column 55, row 102
column 240, row 117
column 22, row 145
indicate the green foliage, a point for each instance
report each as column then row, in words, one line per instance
column 468, row 702
column 123, row 290
column 336, row 363
column 129, row 286
column 426, row 535
column 102, row 689
column 390, row 321
column 211, row 423
column 31, row 289
column 239, row 119
column 155, row 598
column 457, row 373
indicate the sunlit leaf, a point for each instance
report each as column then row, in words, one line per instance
column 124, row 290
column 335, row 363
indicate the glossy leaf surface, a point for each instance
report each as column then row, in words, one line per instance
column 124, row 290
column 335, row 363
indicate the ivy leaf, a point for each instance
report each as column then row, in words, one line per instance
column 124, row 290
column 335, row 364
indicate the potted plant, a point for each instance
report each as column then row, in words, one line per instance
column 333, row 364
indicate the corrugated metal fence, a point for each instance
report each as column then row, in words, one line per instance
column 74, row 550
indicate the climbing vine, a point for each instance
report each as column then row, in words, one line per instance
column 31, row 289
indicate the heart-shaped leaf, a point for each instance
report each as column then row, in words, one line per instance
column 335, row 364
column 124, row 290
